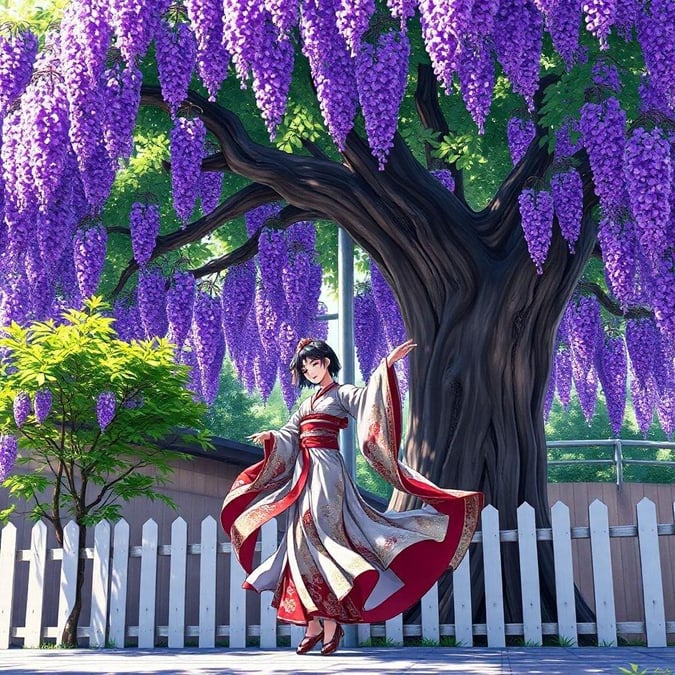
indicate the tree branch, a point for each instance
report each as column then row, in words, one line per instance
column 108, row 486
column 314, row 149
column 287, row 217
column 306, row 182
column 611, row 305
column 236, row 205
column 533, row 165
column 432, row 117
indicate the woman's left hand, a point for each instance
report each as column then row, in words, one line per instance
column 397, row 353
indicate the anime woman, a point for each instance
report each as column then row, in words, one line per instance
column 341, row 561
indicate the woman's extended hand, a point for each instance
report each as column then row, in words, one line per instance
column 261, row 437
column 397, row 353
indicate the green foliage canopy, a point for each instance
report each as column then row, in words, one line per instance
column 74, row 466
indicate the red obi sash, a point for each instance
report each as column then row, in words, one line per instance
column 319, row 430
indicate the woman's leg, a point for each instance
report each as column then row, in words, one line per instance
column 314, row 628
column 329, row 627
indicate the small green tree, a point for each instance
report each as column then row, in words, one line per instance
column 88, row 411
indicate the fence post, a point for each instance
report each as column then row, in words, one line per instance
column 36, row 584
column 67, row 586
column 652, row 584
column 529, row 575
column 148, row 589
column 618, row 459
column 99, row 584
column 268, row 615
column 603, row 579
column 118, row 585
column 208, row 551
column 564, row 576
column 178, row 568
column 237, row 604
column 461, row 591
column 430, row 623
column 393, row 630
column 492, row 564
column 7, row 566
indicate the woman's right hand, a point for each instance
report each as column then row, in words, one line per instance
column 261, row 437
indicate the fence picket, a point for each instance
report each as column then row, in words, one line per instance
column 363, row 636
column 297, row 633
column 603, row 579
column 564, row 576
column 36, row 579
column 529, row 575
column 147, row 591
column 207, row 583
column 99, row 584
column 461, row 591
column 237, row 605
column 652, row 583
column 7, row 566
column 67, row 587
column 431, row 629
column 118, row 585
column 177, row 573
column 393, row 630
column 492, row 560
column 268, row 618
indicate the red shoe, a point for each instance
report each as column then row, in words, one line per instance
column 308, row 643
column 332, row 645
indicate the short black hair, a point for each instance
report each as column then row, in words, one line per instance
column 316, row 349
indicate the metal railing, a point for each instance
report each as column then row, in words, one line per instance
column 618, row 460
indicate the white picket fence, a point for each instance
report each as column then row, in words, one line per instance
column 108, row 624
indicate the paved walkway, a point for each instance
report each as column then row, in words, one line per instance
column 370, row 660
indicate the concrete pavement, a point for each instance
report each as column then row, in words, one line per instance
column 367, row 660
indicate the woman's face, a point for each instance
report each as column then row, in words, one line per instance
column 315, row 370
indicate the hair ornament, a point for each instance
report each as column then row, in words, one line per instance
column 302, row 344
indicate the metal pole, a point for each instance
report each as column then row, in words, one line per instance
column 346, row 356
column 346, row 335
column 618, row 459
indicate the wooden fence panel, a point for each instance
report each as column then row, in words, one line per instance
column 7, row 568
column 118, row 585
column 237, row 605
column 99, row 584
column 461, row 591
column 68, row 583
column 652, row 584
column 529, row 575
column 603, row 579
column 492, row 560
column 148, row 586
column 268, row 615
column 393, row 630
column 178, row 570
column 36, row 578
column 429, row 610
column 564, row 575
column 208, row 569
column 297, row 633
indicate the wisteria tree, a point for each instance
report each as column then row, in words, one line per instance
column 481, row 153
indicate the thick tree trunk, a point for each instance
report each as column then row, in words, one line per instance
column 477, row 386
